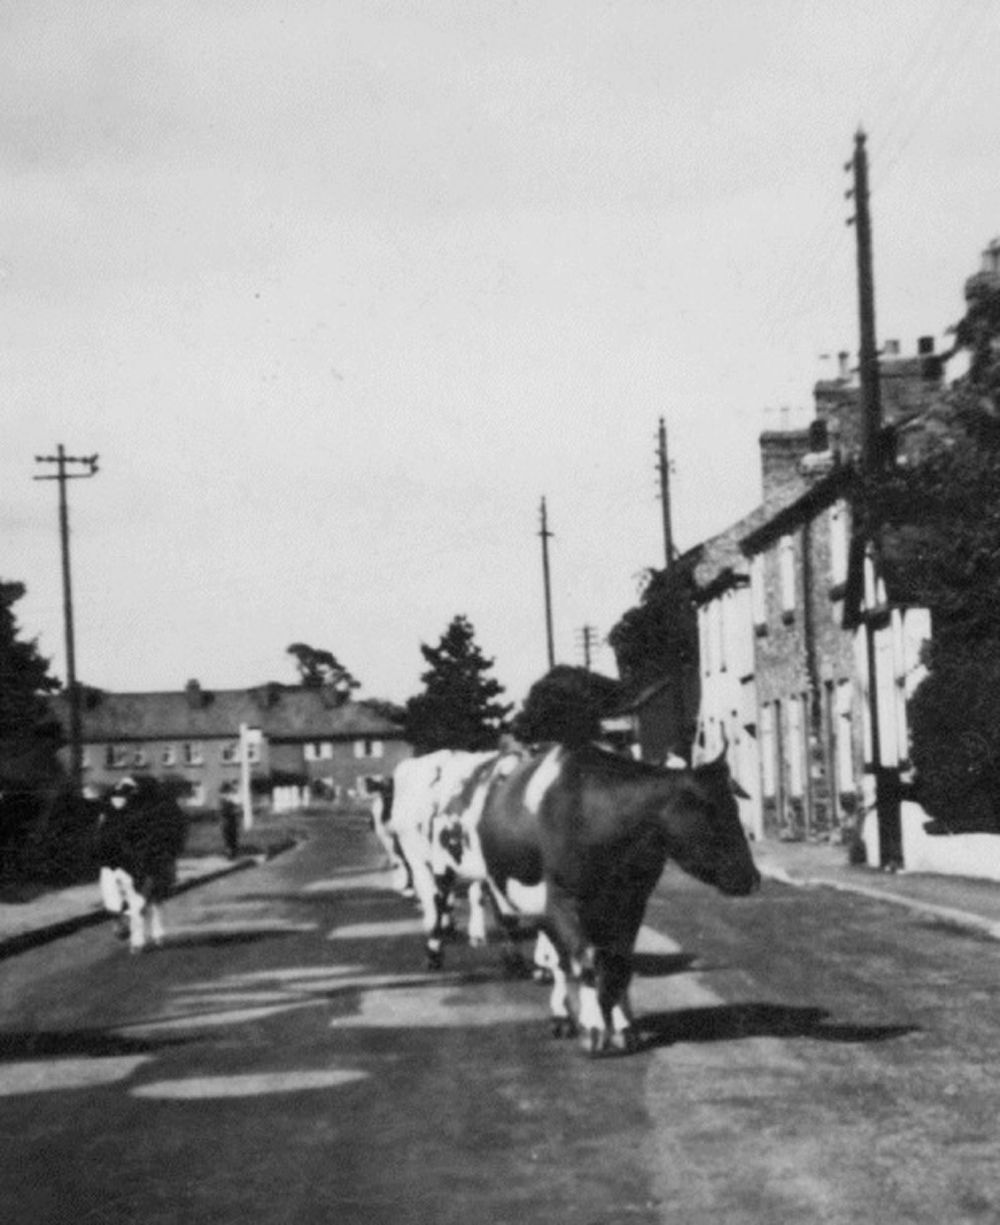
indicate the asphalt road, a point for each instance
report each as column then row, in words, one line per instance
column 810, row 1057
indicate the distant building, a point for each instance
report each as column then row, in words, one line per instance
column 294, row 736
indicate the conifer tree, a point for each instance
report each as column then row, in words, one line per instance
column 460, row 707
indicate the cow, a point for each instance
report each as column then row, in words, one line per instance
column 429, row 799
column 578, row 838
column 381, row 792
column 141, row 834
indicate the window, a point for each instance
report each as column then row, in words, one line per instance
column 786, row 563
column 838, row 544
column 368, row 748
column 169, row 755
column 796, row 745
column 758, row 592
column 319, row 750
column 230, row 753
column 140, row 758
column 192, row 754
column 115, row 757
column 767, row 749
column 845, row 756
column 197, row 796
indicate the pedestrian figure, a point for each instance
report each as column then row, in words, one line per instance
column 229, row 818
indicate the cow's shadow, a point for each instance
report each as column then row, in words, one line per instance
column 660, row 965
column 729, row 1022
column 215, row 939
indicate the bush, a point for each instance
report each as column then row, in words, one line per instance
column 955, row 726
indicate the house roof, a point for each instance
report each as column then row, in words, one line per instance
column 282, row 713
column 722, row 562
column 802, row 508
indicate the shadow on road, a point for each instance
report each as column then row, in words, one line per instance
column 189, row 940
column 91, row 1043
column 733, row 1021
column 659, row 965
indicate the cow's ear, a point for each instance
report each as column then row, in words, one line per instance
column 738, row 790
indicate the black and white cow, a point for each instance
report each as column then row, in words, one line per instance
column 578, row 839
column 141, row 834
column 425, row 822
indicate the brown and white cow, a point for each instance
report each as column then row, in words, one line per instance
column 578, row 838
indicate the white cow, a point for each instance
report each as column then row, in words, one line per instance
column 437, row 802
column 424, row 823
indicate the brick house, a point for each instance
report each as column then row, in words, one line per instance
column 727, row 713
column 810, row 688
column 293, row 735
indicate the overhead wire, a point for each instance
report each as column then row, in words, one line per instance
column 937, row 46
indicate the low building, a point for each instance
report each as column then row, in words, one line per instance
column 195, row 737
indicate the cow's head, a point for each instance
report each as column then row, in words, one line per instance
column 707, row 839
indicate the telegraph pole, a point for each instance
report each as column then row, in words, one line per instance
column 886, row 807
column 871, row 391
column 545, row 535
column 588, row 640
column 663, row 467
column 62, row 460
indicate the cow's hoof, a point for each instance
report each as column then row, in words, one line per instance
column 626, row 1041
column 563, row 1027
column 541, row 975
column 595, row 1042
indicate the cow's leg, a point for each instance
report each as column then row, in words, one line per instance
column 545, row 959
column 567, row 930
column 402, row 876
column 135, row 904
column 477, row 914
column 614, row 973
column 413, row 845
column 155, row 915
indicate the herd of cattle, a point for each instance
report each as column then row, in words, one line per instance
column 571, row 840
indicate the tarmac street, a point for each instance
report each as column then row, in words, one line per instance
column 811, row 1053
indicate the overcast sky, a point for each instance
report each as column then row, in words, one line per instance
column 339, row 290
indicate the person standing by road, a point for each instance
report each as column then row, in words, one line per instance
column 229, row 818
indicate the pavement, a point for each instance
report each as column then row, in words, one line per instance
column 964, row 902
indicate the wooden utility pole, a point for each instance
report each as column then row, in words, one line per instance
column 545, row 534
column 663, row 466
column 886, row 795
column 588, row 640
column 868, row 367
column 61, row 459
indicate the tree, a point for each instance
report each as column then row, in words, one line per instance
column 320, row 669
column 29, row 733
column 659, row 636
column 935, row 517
column 566, row 705
column 459, row 708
